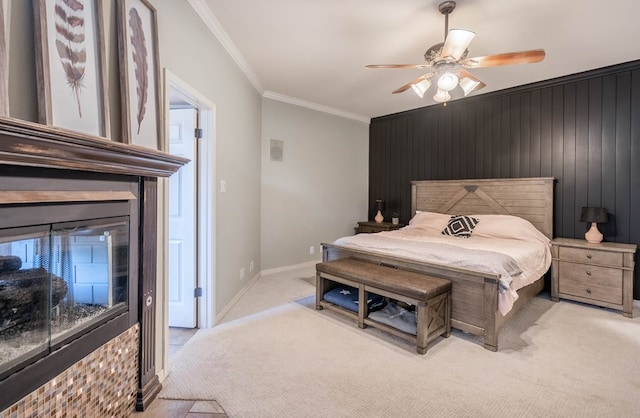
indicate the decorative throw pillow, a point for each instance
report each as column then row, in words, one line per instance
column 460, row 226
column 429, row 220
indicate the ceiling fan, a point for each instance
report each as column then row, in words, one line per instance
column 447, row 61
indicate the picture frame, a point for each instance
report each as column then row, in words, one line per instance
column 5, row 24
column 139, row 74
column 71, row 65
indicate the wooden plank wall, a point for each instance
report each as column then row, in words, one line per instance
column 583, row 129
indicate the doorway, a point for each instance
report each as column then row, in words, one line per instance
column 190, row 210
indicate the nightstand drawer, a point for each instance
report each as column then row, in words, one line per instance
column 591, row 256
column 602, row 276
column 598, row 283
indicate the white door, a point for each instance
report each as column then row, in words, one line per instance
column 183, row 220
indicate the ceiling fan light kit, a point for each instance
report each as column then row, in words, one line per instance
column 447, row 62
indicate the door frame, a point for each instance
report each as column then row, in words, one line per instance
column 206, row 213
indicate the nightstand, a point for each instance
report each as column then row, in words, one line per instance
column 371, row 227
column 600, row 274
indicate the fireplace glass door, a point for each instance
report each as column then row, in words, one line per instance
column 58, row 281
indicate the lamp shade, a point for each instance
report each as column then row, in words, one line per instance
column 442, row 96
column 597, row 215
column 421, row 87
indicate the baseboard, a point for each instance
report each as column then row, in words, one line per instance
column 278, row 270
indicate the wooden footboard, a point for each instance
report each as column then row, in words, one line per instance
column 474, row 294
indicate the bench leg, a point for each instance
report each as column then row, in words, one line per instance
column 363, row 306
column 422, row 327
column 448, row 316
column 319, row 290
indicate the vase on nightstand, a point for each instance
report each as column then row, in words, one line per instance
column 379, row 206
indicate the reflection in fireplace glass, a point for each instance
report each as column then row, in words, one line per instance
column 57, row 281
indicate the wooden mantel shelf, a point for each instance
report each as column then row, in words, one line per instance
column 30, row 144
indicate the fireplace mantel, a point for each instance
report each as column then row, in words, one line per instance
column 30, row 144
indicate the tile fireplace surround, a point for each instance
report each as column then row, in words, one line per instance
column 107, row 369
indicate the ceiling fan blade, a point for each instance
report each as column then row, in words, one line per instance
column 409, row 84
column 522, row 57
column 415, row 66
column 456, row 43
column 468, row 82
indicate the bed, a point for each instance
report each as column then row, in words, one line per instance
column 484, row 296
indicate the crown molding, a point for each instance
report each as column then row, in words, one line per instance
column 310, row 105
column 218, row 31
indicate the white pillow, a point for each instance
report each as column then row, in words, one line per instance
column 429, row 220
column 507, row 226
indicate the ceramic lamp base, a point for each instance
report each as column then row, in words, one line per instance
column 593, row 235
column 379, row 218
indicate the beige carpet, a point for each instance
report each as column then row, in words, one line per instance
column 289, row 360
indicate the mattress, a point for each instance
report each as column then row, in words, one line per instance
column 510, row 248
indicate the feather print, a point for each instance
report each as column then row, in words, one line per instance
column 140, row 60
column 69, row 20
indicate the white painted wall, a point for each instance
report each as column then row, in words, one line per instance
column 320, row 191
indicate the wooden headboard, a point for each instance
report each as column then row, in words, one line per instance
column 528, row 198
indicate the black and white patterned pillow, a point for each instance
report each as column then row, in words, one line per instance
column 460, row 226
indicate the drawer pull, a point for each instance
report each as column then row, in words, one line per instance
column 588, row 291
column 589, row 256
column 588, row 273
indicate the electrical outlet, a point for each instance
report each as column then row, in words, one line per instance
column 242, row 273
column 251, row 266
column 312, row 250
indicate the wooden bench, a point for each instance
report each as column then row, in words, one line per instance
column 430, row 295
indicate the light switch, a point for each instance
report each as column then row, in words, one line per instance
column 223, row 186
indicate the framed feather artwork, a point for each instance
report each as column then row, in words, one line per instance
column 139, row 73
column 5, row 21
column 70, row 66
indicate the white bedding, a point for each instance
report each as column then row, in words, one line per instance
column 493, row 248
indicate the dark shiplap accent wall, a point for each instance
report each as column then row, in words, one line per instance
column 584, row 130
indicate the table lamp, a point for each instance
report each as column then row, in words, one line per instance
column 595, row 216
column 379, row 208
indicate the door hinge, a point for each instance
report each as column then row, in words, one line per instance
column 198, row 133
column 197, row 292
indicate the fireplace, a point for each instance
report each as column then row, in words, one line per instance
column 77, row 257
column 59, row 280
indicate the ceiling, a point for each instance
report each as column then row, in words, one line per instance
column 314, row 52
